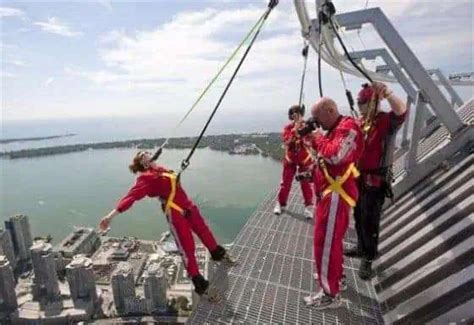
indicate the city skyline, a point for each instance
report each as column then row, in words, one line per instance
column 86, row 276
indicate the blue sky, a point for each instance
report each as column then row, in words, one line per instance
column 73, row 59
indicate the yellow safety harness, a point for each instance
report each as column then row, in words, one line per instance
column 308, row 158
column 335, row 185
column 170, row 204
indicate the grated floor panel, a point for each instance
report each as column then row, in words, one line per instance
column 275, row 272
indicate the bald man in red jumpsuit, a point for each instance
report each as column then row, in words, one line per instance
column 335, row 185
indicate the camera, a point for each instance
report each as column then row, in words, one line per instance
column 309, row 126
column 304, row 176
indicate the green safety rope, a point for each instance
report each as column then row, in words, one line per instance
column 257, row 26
column 185, row 162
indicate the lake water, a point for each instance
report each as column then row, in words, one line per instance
column 60, row 191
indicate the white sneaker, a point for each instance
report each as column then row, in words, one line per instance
column 278, row 209
column 309, row 300
column 308, row 212
column 323, row 301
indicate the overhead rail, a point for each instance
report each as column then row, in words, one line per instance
column 331, row 55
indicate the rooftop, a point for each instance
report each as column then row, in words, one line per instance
column 41, row 246
column 123, row 268
column 75, row 238
column 80, row 261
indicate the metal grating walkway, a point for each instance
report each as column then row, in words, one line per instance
column 275, row 273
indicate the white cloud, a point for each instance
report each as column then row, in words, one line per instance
column 191, row 47
column 18, row 63
column 184, row 53
column 4, row 46
column 11, row 12
column 161, row 70
column 49, row 81
column 6, row 74
column 55, row 26
column 106, row 3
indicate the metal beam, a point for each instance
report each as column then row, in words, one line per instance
column 455, row 98
column 392, row 65
column 410, row 160
column 408, row 60
column 405, row 142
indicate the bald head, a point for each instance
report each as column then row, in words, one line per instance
column 325, row 112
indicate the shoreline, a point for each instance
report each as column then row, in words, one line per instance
column 51, row 137
column 264, row 144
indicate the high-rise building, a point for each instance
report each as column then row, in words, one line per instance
column 20, row 230
column 155, row 286
column 123, row 286
column 80, row 241
column 8, row 302
column 46, row 285
column 6, row 247
column 80, row 277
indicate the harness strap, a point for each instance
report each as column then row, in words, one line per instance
column 335, row 185
column 306, row 160
column 170, row 204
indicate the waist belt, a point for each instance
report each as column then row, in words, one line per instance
column 170, row 204
column 307, row 159
column 335, row 185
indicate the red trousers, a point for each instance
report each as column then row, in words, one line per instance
column 289, row 171
column 331, row 222
column 182, row 228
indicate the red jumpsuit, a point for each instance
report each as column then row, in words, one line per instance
column 338, row 150
column 297, row 157
column 155, row 183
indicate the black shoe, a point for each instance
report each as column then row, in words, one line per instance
column 365, row 270
column 219, row 253
column 354, row 252
column 200, row 284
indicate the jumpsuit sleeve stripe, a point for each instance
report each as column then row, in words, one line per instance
column 328, row 241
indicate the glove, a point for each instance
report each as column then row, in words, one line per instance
column 157, row 154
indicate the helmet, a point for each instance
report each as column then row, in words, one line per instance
column 295, row 109
column 365, row 95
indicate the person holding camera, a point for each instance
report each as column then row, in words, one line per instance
column 334, row 178
column 297, row 158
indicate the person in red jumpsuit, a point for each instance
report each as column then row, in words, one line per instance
column 182, row 214
column 334, row 178
column 374, row 183
column 297, row 159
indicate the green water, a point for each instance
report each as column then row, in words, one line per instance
column 58, row 192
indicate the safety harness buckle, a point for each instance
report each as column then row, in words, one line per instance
column 335, row 185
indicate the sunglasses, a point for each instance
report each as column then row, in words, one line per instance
column 143, row 153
